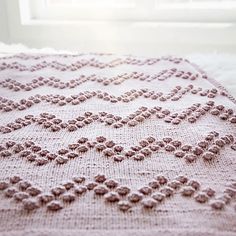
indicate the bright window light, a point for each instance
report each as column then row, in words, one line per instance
column 177, row 11
column 195, row 4
column 92, row 3
column 134, row 3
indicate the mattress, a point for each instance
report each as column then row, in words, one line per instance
column 101, row 144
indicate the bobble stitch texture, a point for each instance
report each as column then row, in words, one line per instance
column 100, row 178
column 145, row 190
column 201, row 197
column 30, row 204
column 112, row 197
column 124, row 205
column 123, row 190
column 100, row 190
column 187, row 191
column 54, row 205
column 80, row 189
column 68, row 197
column 158, row 196
column 149, row 203
column 217, row 204
column 3, row 185
column 20, row 196
column 135, row 197
column 168, row 191
column 161, row 179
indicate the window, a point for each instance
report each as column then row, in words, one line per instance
column 132, row 10
column 91, row 3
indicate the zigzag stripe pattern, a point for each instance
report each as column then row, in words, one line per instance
column 149, row 196
column 190, row 114
column 86, row 62
column 7, row 105
column 82, row 114
column 208, row 149
column 24, row 56
column 116, row 80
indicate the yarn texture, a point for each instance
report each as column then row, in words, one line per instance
column 101, row 144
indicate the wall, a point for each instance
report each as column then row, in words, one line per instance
column 143, row 38
column 4, row 37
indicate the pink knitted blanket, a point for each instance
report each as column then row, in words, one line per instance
column 100, row 144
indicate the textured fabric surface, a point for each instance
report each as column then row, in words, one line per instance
column 98, row 144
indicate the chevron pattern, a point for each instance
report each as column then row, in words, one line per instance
column 208, row 149
column 157, row 191
column 175, row 94
column 84, row 62
column 116, row 80
column 55, row 124
column 23, row 56
column 94, row 142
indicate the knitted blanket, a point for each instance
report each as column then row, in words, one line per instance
column 100, row 144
